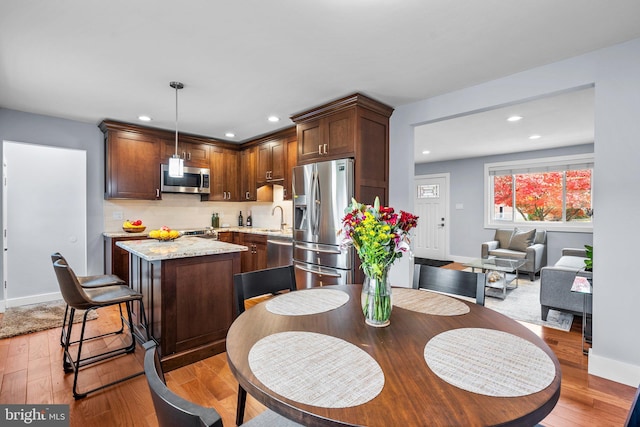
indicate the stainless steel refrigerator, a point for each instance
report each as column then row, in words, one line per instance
column 321, row 192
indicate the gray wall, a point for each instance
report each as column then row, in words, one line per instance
column 466, row 185
column 44, row 130
column 615, row 73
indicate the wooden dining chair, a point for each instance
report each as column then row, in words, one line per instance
column 449, row 281
column 172, row 410
column 256, row 283
column 90, row 282
column 78, row 298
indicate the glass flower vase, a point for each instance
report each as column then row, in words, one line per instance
column 376, row 297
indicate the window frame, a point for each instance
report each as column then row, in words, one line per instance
column 539, row 163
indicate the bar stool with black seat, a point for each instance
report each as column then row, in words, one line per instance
column 256, row 283
column 172, row 410
column 79, row 298
column 91, row 282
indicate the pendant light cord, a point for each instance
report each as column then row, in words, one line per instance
column 176, row 86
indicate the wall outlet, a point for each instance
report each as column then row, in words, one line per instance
column 117, row 215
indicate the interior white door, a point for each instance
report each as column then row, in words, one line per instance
column 431, row 203
column 44, row 201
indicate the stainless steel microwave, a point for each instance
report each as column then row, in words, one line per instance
column 194, row 181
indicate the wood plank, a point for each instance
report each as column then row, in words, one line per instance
column 584, row 400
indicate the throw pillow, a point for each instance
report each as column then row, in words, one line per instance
column 504, row 237
column 521, row 240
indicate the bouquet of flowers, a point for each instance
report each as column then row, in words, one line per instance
column 380, row 236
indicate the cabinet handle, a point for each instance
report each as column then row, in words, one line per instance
column 184, row 155
column 247, row 195
column 157, row 193
column 284, row 192
column 189, row 155
column 320, row 149
column 325, row 148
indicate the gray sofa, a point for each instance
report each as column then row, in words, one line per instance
column 530, row 245
column 556, row 282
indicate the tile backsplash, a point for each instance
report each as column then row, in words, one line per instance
column 186, row 211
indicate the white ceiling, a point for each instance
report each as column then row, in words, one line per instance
column 243, row 60
column 560, row 120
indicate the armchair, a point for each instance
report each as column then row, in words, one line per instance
column 529, row 245
column 556, row 282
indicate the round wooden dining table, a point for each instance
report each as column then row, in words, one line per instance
column 443, row 361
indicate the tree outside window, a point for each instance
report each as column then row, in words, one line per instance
column 558, row 196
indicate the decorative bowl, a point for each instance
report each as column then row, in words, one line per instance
column 135, row 229
column 168, row 236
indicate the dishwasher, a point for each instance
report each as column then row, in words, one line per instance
column 279, row 251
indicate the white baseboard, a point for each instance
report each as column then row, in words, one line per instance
column 33, row 299
column 614, row 370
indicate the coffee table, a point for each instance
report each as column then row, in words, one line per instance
column 501, row 265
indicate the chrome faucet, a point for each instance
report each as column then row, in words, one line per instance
column 273, row 211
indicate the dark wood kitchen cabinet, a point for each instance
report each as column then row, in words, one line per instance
column 248, row 169
column 355, row 126
column 256, row 257
column 224, row 167
column 188, row 303
column 116, row 259
column 271, row 162
column 327, row 138
column 292, row 161
column 132, row 164
column 194, row 154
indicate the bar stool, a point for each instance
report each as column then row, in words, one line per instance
column 79, row 298
column 90, row 282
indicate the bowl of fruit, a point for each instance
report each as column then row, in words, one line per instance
column 133, row 226
column 164, row 233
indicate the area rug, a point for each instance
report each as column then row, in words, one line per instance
column 36, row 317
column 523, row 304
column 431, row 262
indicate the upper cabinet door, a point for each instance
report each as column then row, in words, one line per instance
column 292, row 161
column 193, row 154
column 327, row 138
column 271, row 162
column 248, row 168
column 132, row 166
column 309, row 141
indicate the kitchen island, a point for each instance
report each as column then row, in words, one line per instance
column 187, row 288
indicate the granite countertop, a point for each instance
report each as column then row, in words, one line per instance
column 287, row 233
column 183, row 247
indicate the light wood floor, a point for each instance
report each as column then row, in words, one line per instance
column 31, row 372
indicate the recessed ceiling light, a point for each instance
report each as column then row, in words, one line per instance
column 535, row 137
column 230, row 134
column 274, row 119
column 514, row 118
column 426, row 152
column 144, row 118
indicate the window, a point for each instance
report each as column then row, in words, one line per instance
column 555, row 192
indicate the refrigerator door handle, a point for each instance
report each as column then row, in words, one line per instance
column 324, row 272
column 317, row 249
column 315, row 203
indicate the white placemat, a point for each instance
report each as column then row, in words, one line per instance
column 489, row 362
column 428, row 302
column 307, row 301
column 316, row 369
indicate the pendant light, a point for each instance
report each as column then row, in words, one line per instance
column 176, row 164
